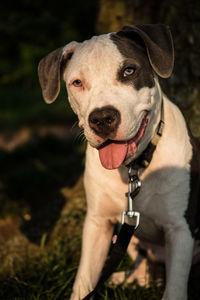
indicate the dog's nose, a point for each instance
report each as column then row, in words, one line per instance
column 104, row 121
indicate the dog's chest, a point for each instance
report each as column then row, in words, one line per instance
column 161, row 201
column 164, row 194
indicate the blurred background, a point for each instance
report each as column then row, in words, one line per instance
column 41, row 150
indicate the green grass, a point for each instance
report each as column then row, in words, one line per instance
column 50, row 276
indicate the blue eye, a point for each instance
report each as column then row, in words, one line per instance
column 128, row 71
column 77, row 83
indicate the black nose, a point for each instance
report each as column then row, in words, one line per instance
column 104, row 121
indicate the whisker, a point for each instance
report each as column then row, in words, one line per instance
column 80, row 136
column 74, row 125
column 83, row 138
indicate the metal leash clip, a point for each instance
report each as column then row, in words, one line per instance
column 134, row 186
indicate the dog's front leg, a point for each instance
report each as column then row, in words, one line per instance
column 178, row 256
column 97, row 234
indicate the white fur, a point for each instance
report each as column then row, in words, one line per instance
column 165, row 188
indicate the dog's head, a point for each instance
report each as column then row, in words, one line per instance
column 112, row 86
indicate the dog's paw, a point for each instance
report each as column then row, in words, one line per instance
column 74, row 297
column 78, row 296
column 140, row 274
column 117, row 278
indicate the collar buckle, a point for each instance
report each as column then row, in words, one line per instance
column 160, row 128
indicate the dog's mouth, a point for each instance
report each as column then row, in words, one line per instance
column 113, row 153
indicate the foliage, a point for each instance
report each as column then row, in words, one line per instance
column 21, row 107
column 30, row 29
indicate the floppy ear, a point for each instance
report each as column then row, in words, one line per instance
column 157, row 40
column 50, row 70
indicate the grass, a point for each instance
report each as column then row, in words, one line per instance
column 48, row 276
column 51, row 277
column 51, row 273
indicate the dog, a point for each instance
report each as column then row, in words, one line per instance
column 113, row 88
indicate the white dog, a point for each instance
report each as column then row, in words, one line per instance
column 113, row 88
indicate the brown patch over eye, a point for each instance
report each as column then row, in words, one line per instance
column 135, row 57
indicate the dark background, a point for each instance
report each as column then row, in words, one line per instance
column 40, row 148
column 30, row 30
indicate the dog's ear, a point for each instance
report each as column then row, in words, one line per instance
column 50, row 70
column 157, row 40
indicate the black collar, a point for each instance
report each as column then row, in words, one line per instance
column 145, row 157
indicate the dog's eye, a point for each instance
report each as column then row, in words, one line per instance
column 77, row 83
column 128, row 71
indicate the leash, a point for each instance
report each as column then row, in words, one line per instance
column 117, row 253
column 127, row 230
column 130, row 218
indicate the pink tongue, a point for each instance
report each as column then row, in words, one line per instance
column 113, row 155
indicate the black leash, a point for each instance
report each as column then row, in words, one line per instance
column 117, row 253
